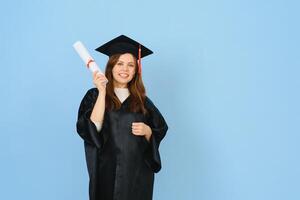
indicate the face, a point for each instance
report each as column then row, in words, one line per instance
column 124, row 70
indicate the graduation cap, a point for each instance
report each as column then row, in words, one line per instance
column 123, row 44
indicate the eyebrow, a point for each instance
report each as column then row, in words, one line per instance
column 123, row 61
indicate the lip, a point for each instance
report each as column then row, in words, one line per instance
column 123, row 75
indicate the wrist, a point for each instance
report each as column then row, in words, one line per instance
column 149, row 132
column 101, row 93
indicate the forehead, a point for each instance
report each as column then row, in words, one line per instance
column 127, row 57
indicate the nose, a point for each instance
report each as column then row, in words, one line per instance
column 124, row 68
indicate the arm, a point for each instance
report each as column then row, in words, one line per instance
column 98, row 111
column 91, row 113
column 85, row 127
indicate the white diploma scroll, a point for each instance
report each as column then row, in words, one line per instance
column 86, row 57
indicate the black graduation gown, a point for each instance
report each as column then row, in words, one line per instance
column 121, row 165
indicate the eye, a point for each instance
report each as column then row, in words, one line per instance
column 119, row 63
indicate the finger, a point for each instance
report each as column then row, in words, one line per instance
column 98, row 78
column 136, row 132
column 103, row 81
column 95, row 77
column 137, row 123
column 136, row 126
column 99, row 75
column 102, row 78
column 95, row 73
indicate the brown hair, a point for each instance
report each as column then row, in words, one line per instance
column 135, row 87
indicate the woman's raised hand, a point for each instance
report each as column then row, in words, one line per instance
column 100, row 81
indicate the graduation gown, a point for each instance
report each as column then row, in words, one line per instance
column 121, row 165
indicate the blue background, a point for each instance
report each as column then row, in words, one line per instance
column 225, row 74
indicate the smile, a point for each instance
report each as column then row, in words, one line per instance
column 123, row 75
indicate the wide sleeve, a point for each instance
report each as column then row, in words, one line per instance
column 85, row 127
column 159, row 129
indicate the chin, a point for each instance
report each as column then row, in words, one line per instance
column 123, row 82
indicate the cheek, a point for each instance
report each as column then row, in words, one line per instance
column 114, row 74
column 132, row 72
column 114, row 71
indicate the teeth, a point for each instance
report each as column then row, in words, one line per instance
column 123, row 75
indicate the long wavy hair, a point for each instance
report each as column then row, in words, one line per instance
column 135, row 87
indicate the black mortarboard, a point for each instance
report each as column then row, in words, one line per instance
column 124, row 44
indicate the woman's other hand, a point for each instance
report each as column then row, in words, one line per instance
column 141, row 129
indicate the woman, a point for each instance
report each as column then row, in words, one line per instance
column 121, row 127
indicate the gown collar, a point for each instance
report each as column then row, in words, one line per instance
column 122, row 93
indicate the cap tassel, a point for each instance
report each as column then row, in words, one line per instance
column 140, row 61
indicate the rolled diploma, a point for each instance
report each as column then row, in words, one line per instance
column 86, row 57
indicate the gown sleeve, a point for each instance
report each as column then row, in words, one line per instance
column 85, row 127
column 159, row 129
